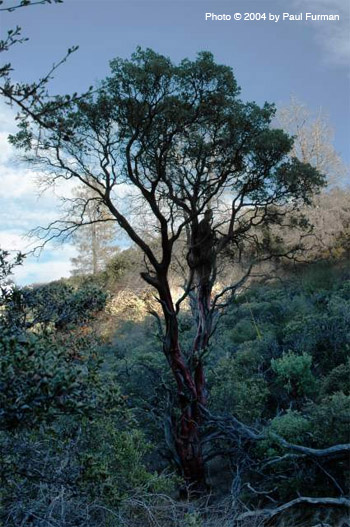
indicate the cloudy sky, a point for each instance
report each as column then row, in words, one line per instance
column 271, row 61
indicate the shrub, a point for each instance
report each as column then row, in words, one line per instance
column 293, row 373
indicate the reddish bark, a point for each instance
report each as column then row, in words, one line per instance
column 190, row 377
column 190, row 391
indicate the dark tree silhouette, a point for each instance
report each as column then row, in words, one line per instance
column 202, row 166
column 12, row 6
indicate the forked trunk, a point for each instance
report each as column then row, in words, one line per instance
column 190, row 383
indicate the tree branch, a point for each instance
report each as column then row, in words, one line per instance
column 271, row 513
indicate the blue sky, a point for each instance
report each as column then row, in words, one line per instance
column 271, row 61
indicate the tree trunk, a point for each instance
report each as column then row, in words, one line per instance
column 204, row 327
column 190, row 389
column 94, row 250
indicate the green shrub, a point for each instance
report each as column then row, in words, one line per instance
column 338, row 380
column 239, row 387
column 293, row 373
column 330, row 419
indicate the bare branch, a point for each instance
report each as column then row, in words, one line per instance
column 26, row 3
column 271, row 513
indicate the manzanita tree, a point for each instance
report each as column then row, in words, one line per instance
column 204, row 169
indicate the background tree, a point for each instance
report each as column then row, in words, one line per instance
column 96, row 240
column 313, row 144
column 180, row 137
column 313, row 139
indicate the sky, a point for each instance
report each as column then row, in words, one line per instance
column 272, row 61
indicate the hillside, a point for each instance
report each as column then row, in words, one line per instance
column 89, row 386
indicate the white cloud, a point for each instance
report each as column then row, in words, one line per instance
column 24, row 206
column 13, row 242
column 6, row 150
column 16, row 181
column 7, row 118
column 52, row 264
column 332, row 36
column 42, row 272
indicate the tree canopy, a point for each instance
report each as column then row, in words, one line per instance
column 200, row 166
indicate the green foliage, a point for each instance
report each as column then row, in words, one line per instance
column 122, row 263
column 291, row 319
column 43, row 372
column 263, row 372
column 292, row 426
column 99, row 412
column 239, row 387
column 299, row 370
column 330, row 419
column 70, row 448
column 337, row 380
column 293, row 373
column 38, row 379
column 6, row 267
column 192, row 519
column 61, row 305
column 112, row 463
column 273, row 360
column 189, row 110
column 41, row 379
column 76, row 471
column 244, row 330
